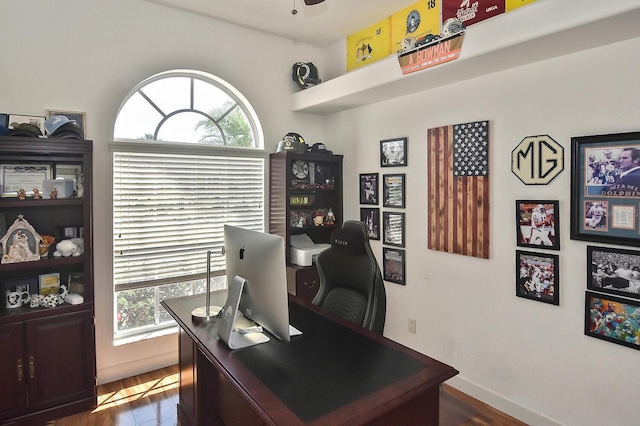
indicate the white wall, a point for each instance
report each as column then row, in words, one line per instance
column 528, row 358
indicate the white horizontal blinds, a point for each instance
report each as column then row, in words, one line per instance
column 169, row 209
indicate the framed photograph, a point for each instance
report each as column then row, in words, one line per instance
column 393, row 228
column 75, row 283
column 614, row 271
column 612, row 318
column 538, row 224
column 393, row 265
column 371, row 219
column 393, row 152
column 393, row 190
column 15, row 119
column 537, row 276
column 67, row 171
column 79, row 117
column 14, row 177
column 369, row 188
column 49, row 283
column 605, row 188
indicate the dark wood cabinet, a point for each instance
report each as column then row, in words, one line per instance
column 48, row 362
column 305, row 198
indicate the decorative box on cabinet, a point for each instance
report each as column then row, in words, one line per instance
column 304, row 186
column 49, row 371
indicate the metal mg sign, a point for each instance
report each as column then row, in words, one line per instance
column 537, row 160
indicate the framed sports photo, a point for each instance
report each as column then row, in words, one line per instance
column 369, row 188
column 614, row 271
column 605, row 188
column 393, row 228
column 371, row 219
column 538, row 224
column 393, row 152
column 537, row 276
column 612, row 318
column 393, row 265
column 393, row 190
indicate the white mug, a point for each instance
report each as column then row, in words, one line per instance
column 15, row 299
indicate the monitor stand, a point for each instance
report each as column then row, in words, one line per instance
column 233, row 338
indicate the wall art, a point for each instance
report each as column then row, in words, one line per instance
column 393, row 190
column 369, row 188
column 393, row 261
column 537, row 276
column 613, row 319
column 614, row 271
column 538, row 224
column 458, row 189
column 393, row 228
column 393, row 152
column 605, row 188
column 371, row 219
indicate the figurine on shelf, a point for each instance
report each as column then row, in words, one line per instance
column 54, row 194
column 45, row 243
column 22, row 195
column 318, row 220
column 36, row 194
column 331, row 218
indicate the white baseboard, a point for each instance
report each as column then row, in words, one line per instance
column 111, row 374
column 501, row 403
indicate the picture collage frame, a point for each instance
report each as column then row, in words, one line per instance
column 387, row 225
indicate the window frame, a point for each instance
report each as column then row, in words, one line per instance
column 126, row 145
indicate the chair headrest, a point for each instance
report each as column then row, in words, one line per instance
column 349, row 239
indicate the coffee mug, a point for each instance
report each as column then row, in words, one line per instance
column 15, row 299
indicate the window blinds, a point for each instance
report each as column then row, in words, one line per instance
column 170, row 208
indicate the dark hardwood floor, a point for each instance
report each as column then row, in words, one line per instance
column 151, row 398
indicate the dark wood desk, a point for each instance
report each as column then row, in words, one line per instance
column 335, row 373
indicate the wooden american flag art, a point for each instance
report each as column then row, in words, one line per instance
column 458, row 189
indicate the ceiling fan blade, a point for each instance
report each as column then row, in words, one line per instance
column 312, row 2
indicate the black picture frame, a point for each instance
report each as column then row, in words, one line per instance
column 538, row 224
column 393, row 228
column 393, row 190
column 369, row 188
column 394, row 266
column 614, row 271
column 537, row 276
column 602, row 311
column 393, row 152
column 605, row 200
column 371, row 219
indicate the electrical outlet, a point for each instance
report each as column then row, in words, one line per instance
column 412, row 325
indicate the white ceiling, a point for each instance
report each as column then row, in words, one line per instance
column 319, row 25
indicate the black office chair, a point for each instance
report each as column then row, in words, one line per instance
column 351, row 284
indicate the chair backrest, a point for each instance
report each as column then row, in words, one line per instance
column 351, row 283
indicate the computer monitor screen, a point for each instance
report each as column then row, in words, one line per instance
column 259, row 258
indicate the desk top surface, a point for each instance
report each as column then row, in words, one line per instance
column 334, row 370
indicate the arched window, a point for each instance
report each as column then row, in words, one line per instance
column 188, row 157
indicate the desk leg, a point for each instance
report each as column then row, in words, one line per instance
column 188, row 375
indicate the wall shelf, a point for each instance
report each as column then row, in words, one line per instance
column 536, row 32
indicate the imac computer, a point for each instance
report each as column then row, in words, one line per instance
column 257, row 284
